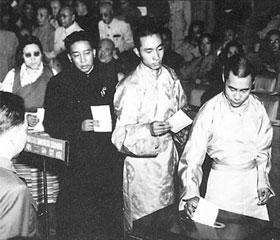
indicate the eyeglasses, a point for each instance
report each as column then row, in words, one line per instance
column 35, row 54
column 274, row 41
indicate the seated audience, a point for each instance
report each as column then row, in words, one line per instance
column 28, row 15
column 198, row 69
column 68, row 26
column 117, row 30
column 108, row 68
column 233, row 128
column 55, row 6
column 229, row 35
column 128, row 12
column 215, row 76
column 44, row 32
column 170, row 57
column 30, row 77
column 270, row 51
column 87, row 20
column 189, row 48
column 18, row 210
column 179, row 22
column 8, row 46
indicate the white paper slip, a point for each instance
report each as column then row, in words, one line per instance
column 102, row 114
column 143, row 10
column 40, row 115
column 206, row 213
column 178, row 121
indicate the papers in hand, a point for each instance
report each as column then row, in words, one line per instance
column 178, row 121
column 206, row 213
column 102, row 114
column 40, row 116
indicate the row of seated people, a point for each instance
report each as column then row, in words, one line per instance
column 53, row 20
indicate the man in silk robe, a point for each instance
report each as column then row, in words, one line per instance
column 143, row 102
column 234, row 129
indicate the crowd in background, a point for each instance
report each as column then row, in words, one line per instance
column 33, row 49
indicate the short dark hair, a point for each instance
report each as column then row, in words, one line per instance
column 69, row 8
column 11, row 111
column 146, row 27
column 76, row 37
column 46, row 7
column 240, row 66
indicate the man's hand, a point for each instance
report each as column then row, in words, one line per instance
column 159, row 128
column 89, row 124
column 190, row 206
column 32, row 120
column 263, row 194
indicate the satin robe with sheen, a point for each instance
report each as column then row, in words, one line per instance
column 239, row 142
column 150, row 162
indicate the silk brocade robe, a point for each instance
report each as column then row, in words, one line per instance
column 150, row 162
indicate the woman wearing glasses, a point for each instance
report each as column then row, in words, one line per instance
column 29, row 78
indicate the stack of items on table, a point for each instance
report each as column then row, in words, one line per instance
column 34, row 179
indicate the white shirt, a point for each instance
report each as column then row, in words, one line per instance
column 119, row 32
column 26, row 77
column 61, row 33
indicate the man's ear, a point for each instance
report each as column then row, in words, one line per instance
column 94, row 52
column 136, row 51
column 223, row 77
column 69, row 57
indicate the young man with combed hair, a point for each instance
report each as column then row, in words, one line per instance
column 143, row 102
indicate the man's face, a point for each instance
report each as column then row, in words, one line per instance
column 205, row 46
column 66, row 18
column 107, row 14
column 237, row 90
column 233, row 50
column 55, row 6
column 151, row 51
column 80, row 8
column 105, row 51
column 82, row 56
column 42, row 16
column 274, row 42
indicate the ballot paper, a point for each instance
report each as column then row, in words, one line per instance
column 143, row 10
column 40, row 115
column 178, row 121
column 206, row 213
column 102, row 114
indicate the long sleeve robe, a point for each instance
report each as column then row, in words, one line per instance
column 150, row 162
column 239, row 142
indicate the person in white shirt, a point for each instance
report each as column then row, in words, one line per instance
column 235, row 131
column 117, row 30
column 69, row 25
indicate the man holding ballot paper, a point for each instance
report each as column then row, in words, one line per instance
column 76, row 110
column 235, row 131
column 148, row 105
